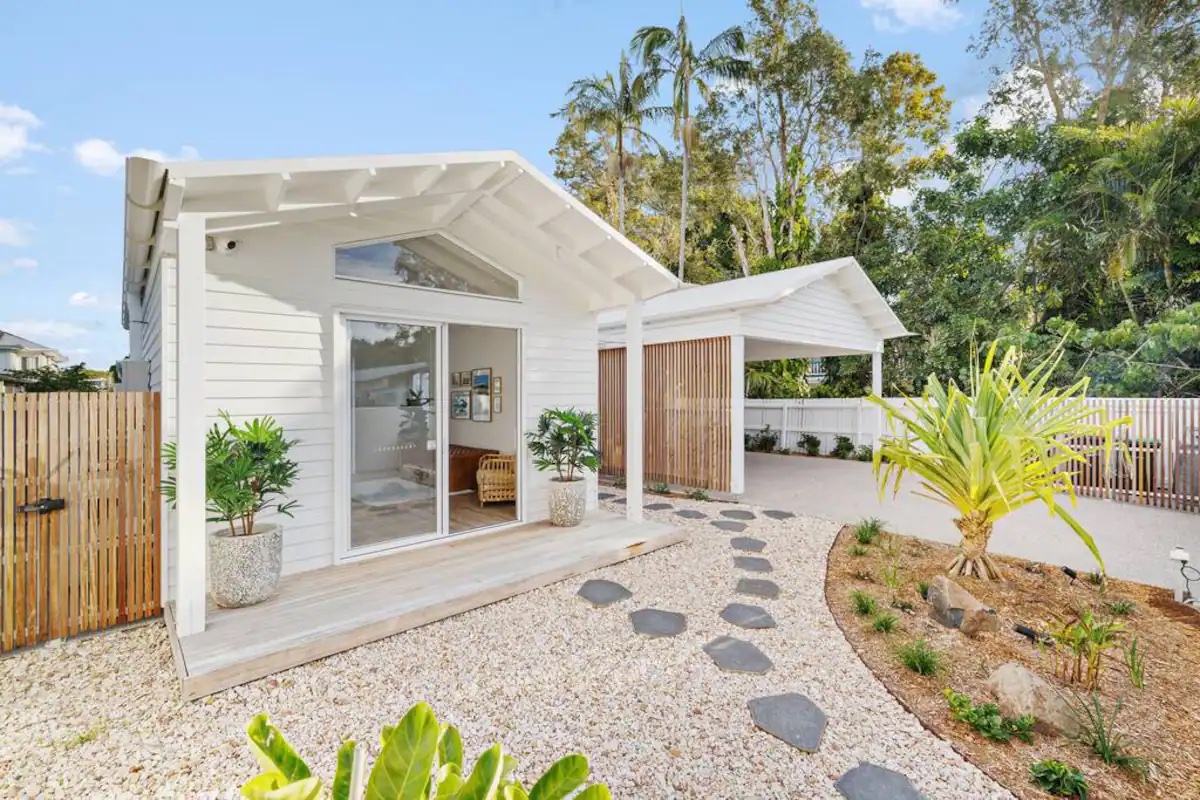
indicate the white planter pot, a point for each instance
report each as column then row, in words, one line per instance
column 568, row 500
column 244, row 570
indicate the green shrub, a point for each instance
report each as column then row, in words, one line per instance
column 864, row 604
column 884, row 622
column 863, row 575
column 1059, row 779
column 923, row 589
column 1122, row 607
column 811, row 444
column 868, row 530
column 891, row 579
column 419, row 759
column 842, row 447
column 1135, row 663
column 863, row 453
column 658, row 487
column 1098, row 732
column 903, row 605
column 564, row 442
column 858, row 550
column 1080, row 645
column 764, row 441
column 784, row 451
column 698, row 494
column 987, row 719
column 619, row 482
column 920, row 657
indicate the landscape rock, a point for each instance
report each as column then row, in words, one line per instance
column 1019, row 691
column 955, row 607
column 872, row 782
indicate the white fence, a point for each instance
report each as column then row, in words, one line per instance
column 1163, row 438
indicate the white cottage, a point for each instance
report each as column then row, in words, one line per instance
column 403, row 317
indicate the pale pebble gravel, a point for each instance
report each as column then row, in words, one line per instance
column 544, row 672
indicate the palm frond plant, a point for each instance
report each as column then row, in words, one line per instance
column 1012, row 440
column 565, row 441
column 666, row 52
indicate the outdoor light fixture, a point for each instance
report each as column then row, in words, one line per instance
column 1032, row 635
column 1070, row 573
column 1189, row 574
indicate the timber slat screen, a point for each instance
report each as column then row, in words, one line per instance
column 687, row 405
column 80, row 548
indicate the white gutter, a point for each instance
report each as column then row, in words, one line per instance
column 145, row 188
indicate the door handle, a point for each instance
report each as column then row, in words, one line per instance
column 44, row 506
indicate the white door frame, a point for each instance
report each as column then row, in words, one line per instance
column 343, row 461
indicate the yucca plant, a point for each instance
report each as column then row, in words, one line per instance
column 1011, row 441
column 420, row 759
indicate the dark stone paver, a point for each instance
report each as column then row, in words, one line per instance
column 658, row 506
column 870, row 782
column 774, row 514
column 745, row 616
column 752, row 564
column 601, row 593
column 606, row 495
column 792, row 718
column 758, row 587
column 620, row 501
column 654, row 623
column 747, row 544
column 726, row 525
column 691, row 513
column 734, row 655
column 738, row 513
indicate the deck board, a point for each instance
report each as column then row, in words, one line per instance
column 325, row 611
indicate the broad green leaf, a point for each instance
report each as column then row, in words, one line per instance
column 262, row 783
column 386, row 734
column 448, row 782
column 402, row 770
column 273, row 752
column 484, row 781
column 514, row 791
column 270, row 786
column 450, row 749
column 344, row 775
column 596, row 792
column 564, row 776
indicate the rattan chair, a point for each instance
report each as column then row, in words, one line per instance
column 497, row 479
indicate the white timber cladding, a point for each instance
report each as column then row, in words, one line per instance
column 269, row 315
column 819, row 314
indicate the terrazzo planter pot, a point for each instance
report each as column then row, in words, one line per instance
column 568, row 499
column 244, row 570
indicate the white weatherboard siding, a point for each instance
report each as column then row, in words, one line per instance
column 819, row 314
column 677, row 330
column 270, row 312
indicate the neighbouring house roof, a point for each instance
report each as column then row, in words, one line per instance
column 744, row 306
column 496, row 201
column 10, row 341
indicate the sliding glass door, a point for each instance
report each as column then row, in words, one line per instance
column 395, row 482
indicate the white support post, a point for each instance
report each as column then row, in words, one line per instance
column 737, row 409
column 190, row 426
column 633, row 412
column 877, row 390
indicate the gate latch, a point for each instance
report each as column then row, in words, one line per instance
column 44, row 505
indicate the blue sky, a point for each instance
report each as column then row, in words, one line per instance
column 84, row 84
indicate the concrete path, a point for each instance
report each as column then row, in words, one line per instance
column 1133, row 540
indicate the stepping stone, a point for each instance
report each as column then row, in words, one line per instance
column 738, row 513
column 869, row 782
column 778, row 514
column 758, row 587
column 752, row 564
column 726, row 525
column 658, row 506
column 691, row 513
column 606, row 495
column 747, row 544
column 620, row 501
column 745, row 616
column 734, row 655
column 602, row 593
column 654, row 623
column 794, row 719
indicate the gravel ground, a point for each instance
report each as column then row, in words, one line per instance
column 544, row 672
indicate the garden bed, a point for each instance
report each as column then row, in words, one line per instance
column 1161, row 722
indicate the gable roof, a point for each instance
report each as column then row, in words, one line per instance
column 494, row 198
column 771, row 287
column 10, row 341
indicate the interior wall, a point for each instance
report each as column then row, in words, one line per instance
column 474, row 347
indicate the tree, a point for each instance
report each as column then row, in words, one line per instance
column 671, row 52
column 615, row 106
column 1011, row 441
column 75, row 378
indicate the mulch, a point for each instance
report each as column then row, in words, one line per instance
column 1160, row 722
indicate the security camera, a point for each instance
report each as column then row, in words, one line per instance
column 225, row 247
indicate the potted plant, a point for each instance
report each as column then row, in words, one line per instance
column 565, row 441
column 246, row 471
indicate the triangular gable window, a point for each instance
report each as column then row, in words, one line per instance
column 430, row 262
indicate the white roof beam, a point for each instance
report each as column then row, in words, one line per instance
column 274, row 189
column 356, row 185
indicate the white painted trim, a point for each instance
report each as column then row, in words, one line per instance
column 737, row 428
column 633, row 412
column 191, row 425
column 877, row 390
column 422, row 234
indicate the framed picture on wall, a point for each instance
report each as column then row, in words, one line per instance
column 481, row 407
column 497, row 403
column 481, row 380
column 497, row 385
column 460, row 404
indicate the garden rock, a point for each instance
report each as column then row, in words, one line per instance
column 737, row 513
column 752, row 564
column 791, row 717
column 870, row 782
column 655, row 624
column 758, row 587
column 734, row 655
column 774, row 514
column 955, row 607
column 691, row 513
column 605, row 495
column 726, row 525
column 747, row 544
column 745, row 616
column 658, row 507
column 602, row 593
column 1019, row 691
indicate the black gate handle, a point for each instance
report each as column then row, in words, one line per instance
column 44, row 505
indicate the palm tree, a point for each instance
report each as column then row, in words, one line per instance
column 1012, row 441
column 615, row 106
column 664, row 51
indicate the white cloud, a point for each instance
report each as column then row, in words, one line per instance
column 897, row 16
column 103, row 158
column 902, row 197
column 1017, row 96
column 18, row 265
column 45, row 331
column 84, row 299
column 15, row 126
column 23, row 169
column 14, row 233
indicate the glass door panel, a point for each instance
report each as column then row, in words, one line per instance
column 394, row 374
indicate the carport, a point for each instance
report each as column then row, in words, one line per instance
column 696, row 342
